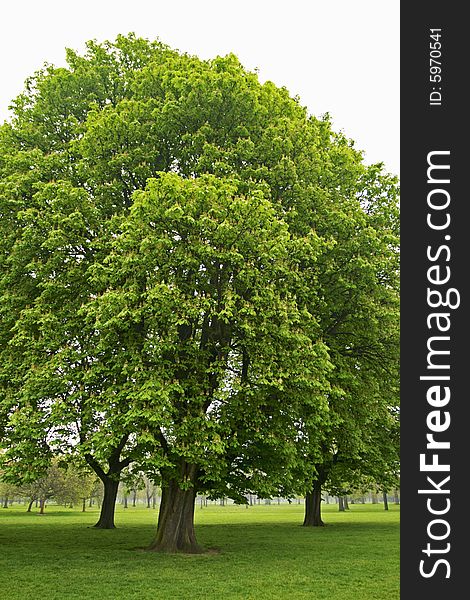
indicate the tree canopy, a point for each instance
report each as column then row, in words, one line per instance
column 197, row 277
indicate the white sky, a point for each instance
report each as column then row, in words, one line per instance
column 338, row 56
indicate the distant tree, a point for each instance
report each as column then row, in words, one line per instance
column 53, row 484
column 78, row 486
column 8, row 492
column 150, row 491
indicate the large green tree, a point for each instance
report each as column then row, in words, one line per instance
column 171, row 237
column 200, row 301
column 80, row 142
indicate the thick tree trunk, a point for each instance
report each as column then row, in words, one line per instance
column 5, row 502
column 175, row 531
column 106, row 520
column 83, row 504
column 345, row 502
column 313, row 507
column 42, row 505
column 341, row 503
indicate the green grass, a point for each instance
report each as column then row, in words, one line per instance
column 262, row 553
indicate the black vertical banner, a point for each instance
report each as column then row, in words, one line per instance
column 435, row 267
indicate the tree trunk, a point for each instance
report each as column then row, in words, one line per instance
column 385, row 501
column 5, row 502
column 106, row 520
column 313, row 507
column 84, row 505
column 134, row 497
column 340, row 503
column 396, row 497
column 42, row 504
column 30, row 505
column 110, row 482
column 345, row 503
column 175, row 531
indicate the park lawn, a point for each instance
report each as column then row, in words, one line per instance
column 257, row 553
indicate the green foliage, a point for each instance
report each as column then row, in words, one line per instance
column 65, row 485
column 193, row 269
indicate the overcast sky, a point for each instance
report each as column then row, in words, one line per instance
column 338, row 56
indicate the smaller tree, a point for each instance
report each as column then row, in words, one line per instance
column 78, row 486
column 7, row 492
column 53, row 484
column 150, row 491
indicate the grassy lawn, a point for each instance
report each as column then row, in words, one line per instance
column 262, row 553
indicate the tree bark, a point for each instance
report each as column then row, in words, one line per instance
column 312, row 516
column 385, row 500
column 30, row 505
column 345, row 502
column 175, row 530
column 340, row 503
column 42, row 504
column 106, row 520
column 110, row 482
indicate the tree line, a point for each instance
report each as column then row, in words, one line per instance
column 199, row 281
column 69, row 486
